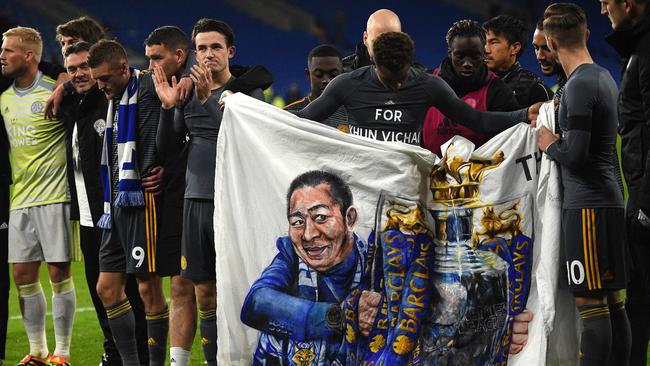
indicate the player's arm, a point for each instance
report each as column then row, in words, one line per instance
column 331, row 99
column 269, row 307
column 444, row 98
column 572, row 149
column 248, row 79
column 62, row 87
column 148, row 118
column 185, row 83
column 171, row 132
column 171, row 127
column 644, row 85
column 202, row 78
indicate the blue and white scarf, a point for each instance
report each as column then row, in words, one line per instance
column 308, row 288
column 130, row 189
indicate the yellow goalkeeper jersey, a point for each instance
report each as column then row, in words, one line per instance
column 36, row 146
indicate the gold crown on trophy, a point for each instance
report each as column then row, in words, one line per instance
column 456, row 182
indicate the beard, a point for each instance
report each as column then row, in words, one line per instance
column 16, row 72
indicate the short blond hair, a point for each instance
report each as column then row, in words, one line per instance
column 30, row 40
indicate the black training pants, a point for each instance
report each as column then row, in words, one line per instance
column 638, row 291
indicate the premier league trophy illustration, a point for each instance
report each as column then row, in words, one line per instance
column 452, row 273
column 470, row 317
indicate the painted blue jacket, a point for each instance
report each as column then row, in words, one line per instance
column 289, row 302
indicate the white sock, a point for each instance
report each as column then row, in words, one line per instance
column 34, row 309
column 179, row 356
column 64, row 303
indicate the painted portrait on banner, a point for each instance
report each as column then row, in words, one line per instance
column 295, row 303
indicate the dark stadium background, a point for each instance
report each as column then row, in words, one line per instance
column 280, row 33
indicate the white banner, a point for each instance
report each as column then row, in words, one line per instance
column 261, row 149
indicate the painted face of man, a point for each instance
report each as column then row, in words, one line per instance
column 112, row 77
column 321, row 71
column 499, row 53
column 213, row 52
column 79, row 72
column 12, row 57
column 321, row 236
column 466, row 54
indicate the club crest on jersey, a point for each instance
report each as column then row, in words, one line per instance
column 100, row 126
column 38, row 107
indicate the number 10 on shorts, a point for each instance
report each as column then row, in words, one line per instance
column 575, row 272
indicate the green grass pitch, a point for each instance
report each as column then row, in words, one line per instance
column 87, row 337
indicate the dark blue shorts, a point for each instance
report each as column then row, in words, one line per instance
column 197, row 249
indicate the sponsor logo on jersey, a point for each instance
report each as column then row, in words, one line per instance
column 4, row 226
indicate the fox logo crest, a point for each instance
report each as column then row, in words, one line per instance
column 303, row 353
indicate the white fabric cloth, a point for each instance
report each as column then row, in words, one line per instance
column 261, row 149
column 85, row 217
